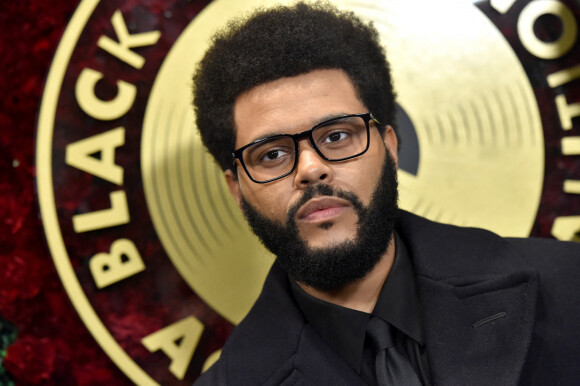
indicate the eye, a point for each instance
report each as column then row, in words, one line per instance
column 336, row 136
column 272, row 155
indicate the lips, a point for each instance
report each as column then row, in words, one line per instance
column 322, row 208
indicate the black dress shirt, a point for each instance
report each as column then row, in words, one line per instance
column 344, row 329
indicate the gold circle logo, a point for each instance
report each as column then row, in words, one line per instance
column 136, row 213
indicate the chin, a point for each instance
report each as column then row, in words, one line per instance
column 328, row 239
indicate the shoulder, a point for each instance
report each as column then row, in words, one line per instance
column 441, row 252
column 263, row 344
column 557, row 264
column 547, row 248
column 440, row 248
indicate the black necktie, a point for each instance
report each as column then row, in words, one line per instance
column 391, row 364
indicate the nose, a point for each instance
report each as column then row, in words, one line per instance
column 311, row 167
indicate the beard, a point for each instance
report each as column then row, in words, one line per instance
column 339, row 264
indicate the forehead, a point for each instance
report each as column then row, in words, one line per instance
column 294, row 104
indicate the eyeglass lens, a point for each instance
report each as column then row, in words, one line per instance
column 335, row 140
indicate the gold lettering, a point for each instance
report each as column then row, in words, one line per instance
column 547, row 50
column 81, row 155
column 117, row 214
column 566, row 112
column 122, row 49
column 563, row 76
column 213, row 358
column 567, row 228
column 110, row 268
column 98, row 108
column 572, row 186
column 502, row 6
column 571, row 145
column 178, row 341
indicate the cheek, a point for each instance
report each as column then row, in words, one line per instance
column 268, row 199
column 365, row 177
column 365, row 186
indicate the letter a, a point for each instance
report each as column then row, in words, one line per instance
column 80, row 155
column 178, row 341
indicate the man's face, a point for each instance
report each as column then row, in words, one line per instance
column 292, row 105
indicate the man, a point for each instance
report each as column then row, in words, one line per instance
column 297, row 107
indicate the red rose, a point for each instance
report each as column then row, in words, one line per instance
column 30, row 360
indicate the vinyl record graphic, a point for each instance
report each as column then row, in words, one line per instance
column 471, row 119
column 152, row 250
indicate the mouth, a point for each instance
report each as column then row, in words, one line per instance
column 322, row 209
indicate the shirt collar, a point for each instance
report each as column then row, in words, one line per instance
column 344, row 329
column 398, row 302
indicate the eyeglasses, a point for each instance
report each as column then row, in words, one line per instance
column 337, row 139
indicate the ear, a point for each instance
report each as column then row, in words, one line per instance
column 234, row 186
column 391, row 143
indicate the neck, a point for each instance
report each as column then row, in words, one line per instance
column 363, row 294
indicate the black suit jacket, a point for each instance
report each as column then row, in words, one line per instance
column 495, row 312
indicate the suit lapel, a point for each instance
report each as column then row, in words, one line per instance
column 478, row 329
column 321, row 365
column 478, row 303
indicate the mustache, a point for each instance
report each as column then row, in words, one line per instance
column 323, row 190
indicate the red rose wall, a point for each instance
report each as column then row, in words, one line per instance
column 74, row 325
column 51, row 346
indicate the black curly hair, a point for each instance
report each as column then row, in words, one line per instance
column 281, row 42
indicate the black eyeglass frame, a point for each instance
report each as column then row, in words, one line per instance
column 238, row 154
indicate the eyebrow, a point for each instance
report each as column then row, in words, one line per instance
column 317, row 122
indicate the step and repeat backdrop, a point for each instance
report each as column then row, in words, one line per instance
column 124, row 260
